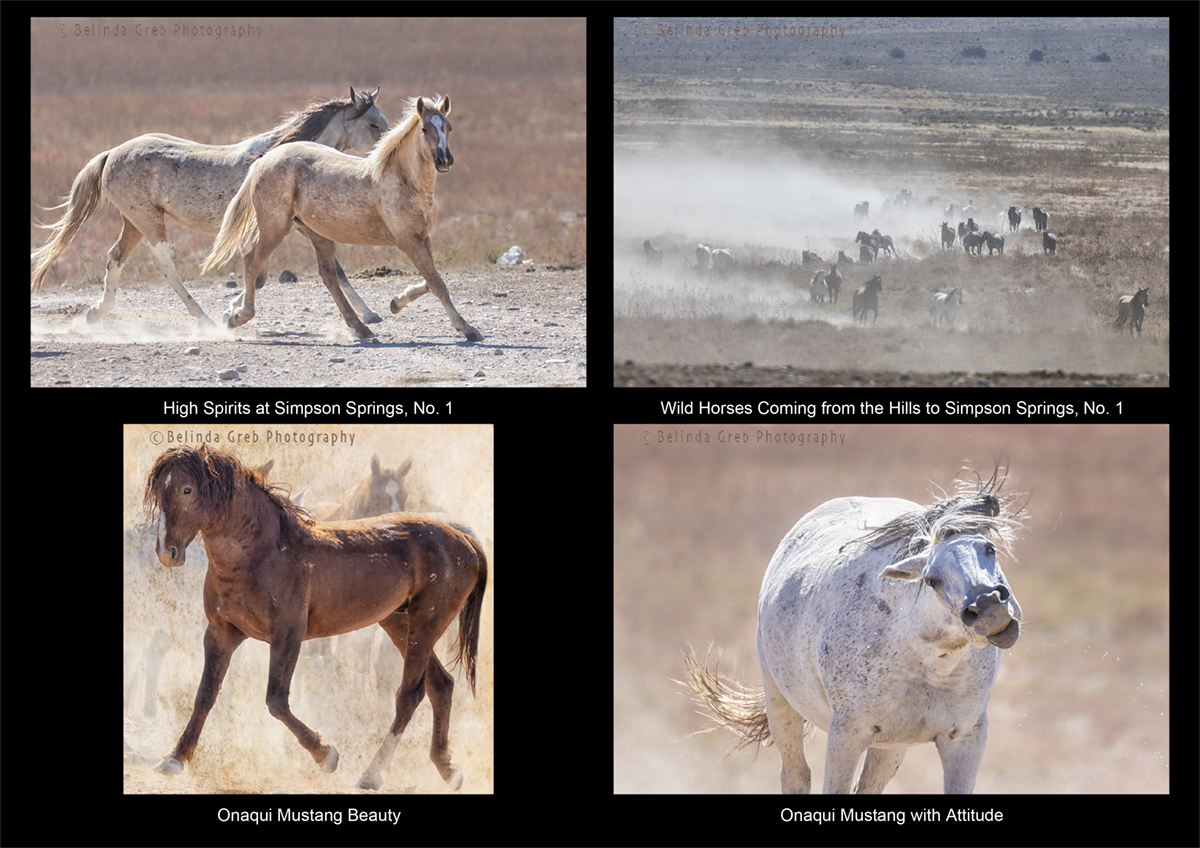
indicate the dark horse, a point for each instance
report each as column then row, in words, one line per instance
column 277, row 575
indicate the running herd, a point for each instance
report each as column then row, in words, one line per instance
column 826, row 284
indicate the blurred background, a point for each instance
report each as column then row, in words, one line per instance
column 518, row 88
column 1082, row 701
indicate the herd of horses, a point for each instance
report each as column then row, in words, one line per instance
column 253, row 193
column 825, row 285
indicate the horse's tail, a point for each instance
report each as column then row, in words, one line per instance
column 86, row 195
column 742, row 709
column 468, row 619
column 239, row 227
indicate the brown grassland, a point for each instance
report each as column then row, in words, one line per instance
column 514, row 112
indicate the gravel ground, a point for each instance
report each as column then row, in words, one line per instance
column 534, row 321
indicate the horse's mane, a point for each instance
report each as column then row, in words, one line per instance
column 976, row 507
column 219, row 477
column 308, row 123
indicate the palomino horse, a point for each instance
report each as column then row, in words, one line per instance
column 277, row 575
column 156, row 174
column 384, row 199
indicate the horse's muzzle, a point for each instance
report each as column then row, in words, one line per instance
column 171, row 556
column 443, row 163
column 1007, row 637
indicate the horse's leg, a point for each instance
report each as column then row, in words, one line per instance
column 242, row 310
column 439, row 685
column 369, row 315
column 149, row 221
column 285, row 650
column 118, row 255
column 326, row 262
column 420, row 252
column 259, row 281
column 423, row 631
column 219, row 645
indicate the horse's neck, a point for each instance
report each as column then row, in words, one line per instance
column 250, row 527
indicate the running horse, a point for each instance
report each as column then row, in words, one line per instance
column 154, row 175
column 277, row 575
column 385, row 199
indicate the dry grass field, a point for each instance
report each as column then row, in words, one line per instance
column 515, row 111
column 764, row 144
column 519, row 178
column 1082, row 701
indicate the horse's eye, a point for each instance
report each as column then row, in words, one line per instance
column 187, row 490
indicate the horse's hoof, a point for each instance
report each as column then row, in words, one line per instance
column 396, row 305
column 169, row 765
column 331, row 760
column 369, row 781
column 454, row 781
column 474, row 335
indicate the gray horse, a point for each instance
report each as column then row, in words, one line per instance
column 885, row 640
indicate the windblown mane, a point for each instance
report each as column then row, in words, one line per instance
column 219, row 477
column 974, row 508
column 308, row 123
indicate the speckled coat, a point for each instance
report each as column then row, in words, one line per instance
column 882, row 654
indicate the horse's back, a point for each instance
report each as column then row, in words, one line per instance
column 819, row 576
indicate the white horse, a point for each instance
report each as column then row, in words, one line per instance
column 384, row 199
column 886, row 638
column 818, row 289
column 155, row 175
column 722, row 258
column 945, row 305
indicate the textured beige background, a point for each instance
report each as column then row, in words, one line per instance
column 242, row 748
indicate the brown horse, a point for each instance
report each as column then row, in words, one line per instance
column 277, row 575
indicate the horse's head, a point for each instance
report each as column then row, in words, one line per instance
column 436, row 129
column 177, row 496
column 179, row 491
column 362, row 121
column 964, row 575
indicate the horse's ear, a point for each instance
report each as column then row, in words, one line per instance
column 907, row 569
column 445, row 104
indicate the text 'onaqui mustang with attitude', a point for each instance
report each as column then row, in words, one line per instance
column 883, row 623
column 277, row 575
